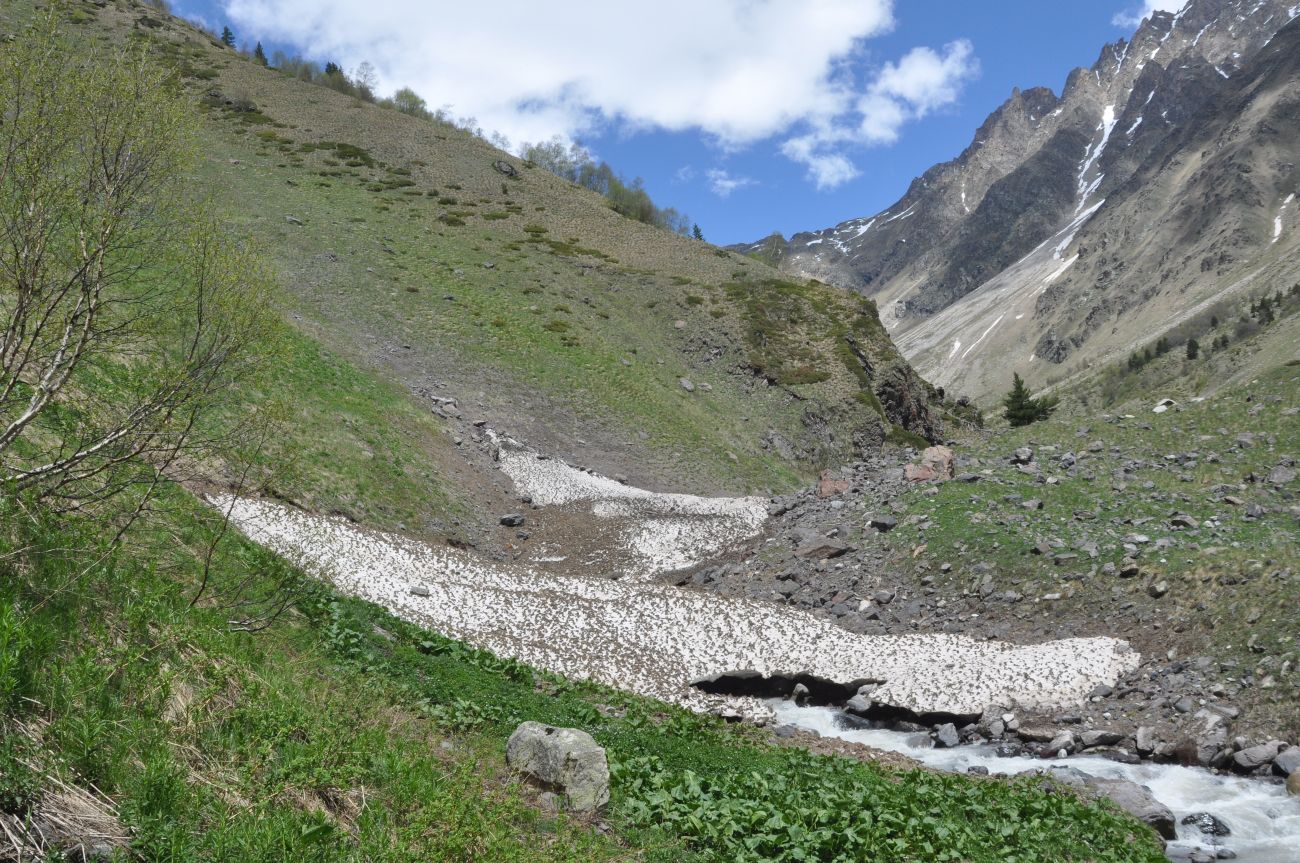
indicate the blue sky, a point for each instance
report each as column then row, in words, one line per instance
column 749, row 115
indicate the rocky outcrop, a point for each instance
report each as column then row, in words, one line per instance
column 1073, row 227
column 908, row 402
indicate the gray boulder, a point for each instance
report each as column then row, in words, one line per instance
column 1210, row 739
column 1287, row 762
column 1281, row 475
column 1071, row 776
column 1257, row 756
column 1062, row 741
column 1137, row 801
column 1100, row 738
column 565, row 760
column 946, row 736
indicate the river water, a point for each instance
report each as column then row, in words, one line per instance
column 1265, row 822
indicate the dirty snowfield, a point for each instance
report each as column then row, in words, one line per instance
column 652, row 638
column 653, row 532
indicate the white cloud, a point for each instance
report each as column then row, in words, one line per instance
column 722, row 184
column 922, row 81
column 1133, row 17
column 739, row 71
column 827, row 167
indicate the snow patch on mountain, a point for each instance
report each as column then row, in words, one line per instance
column 655, row 639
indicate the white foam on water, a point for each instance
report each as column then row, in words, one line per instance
column 1265, row 822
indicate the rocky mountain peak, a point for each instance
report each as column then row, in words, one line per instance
column 1017, row 209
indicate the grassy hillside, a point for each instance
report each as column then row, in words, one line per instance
column 186, row 696
column 405, row 248
column 335, row 732
column 1207, row 488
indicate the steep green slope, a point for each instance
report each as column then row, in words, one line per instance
column 527, row 299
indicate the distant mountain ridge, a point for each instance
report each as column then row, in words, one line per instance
column 1075, row 227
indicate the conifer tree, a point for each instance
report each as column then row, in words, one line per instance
column 259, row 55
column 1193, row 349
column 697, row 233
column 1022, row 408
column 227, row 37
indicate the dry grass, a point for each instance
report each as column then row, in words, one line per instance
column 67, row 817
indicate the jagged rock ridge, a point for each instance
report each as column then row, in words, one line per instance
column 1077, row 227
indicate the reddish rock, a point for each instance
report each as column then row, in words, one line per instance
column 919, row 473
column 940, row 460
column 831, row 485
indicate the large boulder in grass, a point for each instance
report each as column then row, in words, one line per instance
column 565, row 760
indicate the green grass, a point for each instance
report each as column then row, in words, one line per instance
column 349, row 442
column 435, row 206
column 491, row 325
column 341, row 733
column 1219, row 572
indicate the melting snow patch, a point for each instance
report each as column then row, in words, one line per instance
column 975, row 344
column 902, row 215
column 1277, row 220
column 1072, row 229
column 663, row 532
column 655, row 639
column 1108, row 120
column 862, row 229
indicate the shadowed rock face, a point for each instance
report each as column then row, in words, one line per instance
column 1018, row 212
column 1185, row 140
column 755, row 684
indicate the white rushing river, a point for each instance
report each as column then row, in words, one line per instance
column 1265, row 822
